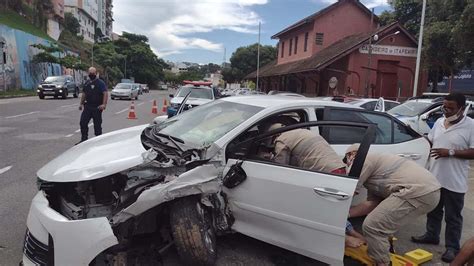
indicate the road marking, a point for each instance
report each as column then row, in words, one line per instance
column 30, row 113
column 119, row 112
column 4, row 169
column 69, row 105
column 140, row 104
column 79, row 130
column 70, row 135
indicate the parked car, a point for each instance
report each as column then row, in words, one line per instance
column 58, row 86
column 199, row 95
column 421, row 114
column 372, row 104
column 125, row 91
column 200, row 174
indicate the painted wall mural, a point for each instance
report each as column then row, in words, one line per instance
column 20, row 71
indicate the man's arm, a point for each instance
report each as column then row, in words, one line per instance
column 466, row 255
column 363, row 208
column 282, row 153
column 105, row 97
column 83, row 99
column 461, row 154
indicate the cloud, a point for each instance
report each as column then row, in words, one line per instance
column 171, row 25
column 367, row 3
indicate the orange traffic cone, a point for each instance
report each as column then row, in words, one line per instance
column 154, row 108
column 131, row 113
column 165, row 106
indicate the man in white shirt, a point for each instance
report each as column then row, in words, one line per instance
column 452, row 138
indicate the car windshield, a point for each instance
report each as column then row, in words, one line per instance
column 122, row 86
column 203, row 125
column 202, row 93
column 54, row 79
column 411, row 108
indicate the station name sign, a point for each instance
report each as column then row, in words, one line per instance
column 389, row 50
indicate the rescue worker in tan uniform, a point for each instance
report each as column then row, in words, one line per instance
column 306, row 149
column 397, row 190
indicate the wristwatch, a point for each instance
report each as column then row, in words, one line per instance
column 451, row 152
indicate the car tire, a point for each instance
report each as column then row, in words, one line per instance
column 111, row 97
column 65, row 95
column 192, row 231
column 76, row 93
column 41, row 96
column 136, row 98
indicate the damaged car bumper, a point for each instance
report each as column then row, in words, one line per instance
column 46, row 242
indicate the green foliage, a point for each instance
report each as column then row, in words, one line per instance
column 71, row 24
column 14, row 20
column 386, row 18
column 45, row 57
column 448, row 38
column 244, row 61
column 53, row 48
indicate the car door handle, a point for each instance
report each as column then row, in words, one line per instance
column 331, row 192
column 412, row 156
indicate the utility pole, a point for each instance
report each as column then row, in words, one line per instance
column 418, row 52
column 258, row 56
column 125, row 70
column 367, row 74
column 92, row 54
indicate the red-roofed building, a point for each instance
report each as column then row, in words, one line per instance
column 332, row 45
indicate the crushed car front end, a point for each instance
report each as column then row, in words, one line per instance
column 110, row 212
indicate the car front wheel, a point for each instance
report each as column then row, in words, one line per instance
column 192, row 230
column 41, row 96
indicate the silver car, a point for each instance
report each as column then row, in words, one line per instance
column 125, row 91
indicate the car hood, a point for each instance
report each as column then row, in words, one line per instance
column 52, row 83
column 98, row 157
column 192, row 101
column 121, row 90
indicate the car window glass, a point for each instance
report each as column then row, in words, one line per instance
column 401, row 133
column 369, row 106
column 339, row 135
column 390, row 105
column 289, row 117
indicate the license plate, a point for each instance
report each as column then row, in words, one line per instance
column 48, row 92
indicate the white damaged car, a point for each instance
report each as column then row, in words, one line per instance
column 124, row 197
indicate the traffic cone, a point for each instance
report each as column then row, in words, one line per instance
column 154, row 109
column 131, row 112
column 165, row 106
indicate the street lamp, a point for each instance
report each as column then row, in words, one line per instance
column 374, row 37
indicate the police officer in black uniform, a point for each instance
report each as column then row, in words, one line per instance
column 93, row 102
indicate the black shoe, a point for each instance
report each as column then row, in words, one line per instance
column 449, row 255
column 425, row 239
column 79, row 142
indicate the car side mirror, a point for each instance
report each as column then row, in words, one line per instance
column 235, row 176
column 171, row 95
column 424, row 117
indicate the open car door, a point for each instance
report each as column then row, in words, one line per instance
column 297, row 209
column 380, row 105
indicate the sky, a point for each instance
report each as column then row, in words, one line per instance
column 204, row 31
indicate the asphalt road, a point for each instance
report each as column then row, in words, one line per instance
column 34, row 131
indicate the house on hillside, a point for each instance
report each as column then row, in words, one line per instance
column 327, row 53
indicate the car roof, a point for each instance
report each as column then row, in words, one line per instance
column 268, row 101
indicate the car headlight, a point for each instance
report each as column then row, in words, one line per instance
column 59, row 86
column 60, row 91
column 40, row 87
column 38, row 90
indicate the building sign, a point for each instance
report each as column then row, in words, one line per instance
column 389, row 50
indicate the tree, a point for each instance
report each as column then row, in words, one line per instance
column 71, row 24
column 448, row 36
column 142, row 63
column 244, row 61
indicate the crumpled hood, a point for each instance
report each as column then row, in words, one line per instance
column 98, row 157
column 192, row 101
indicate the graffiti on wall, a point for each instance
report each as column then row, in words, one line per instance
column 20, row 71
